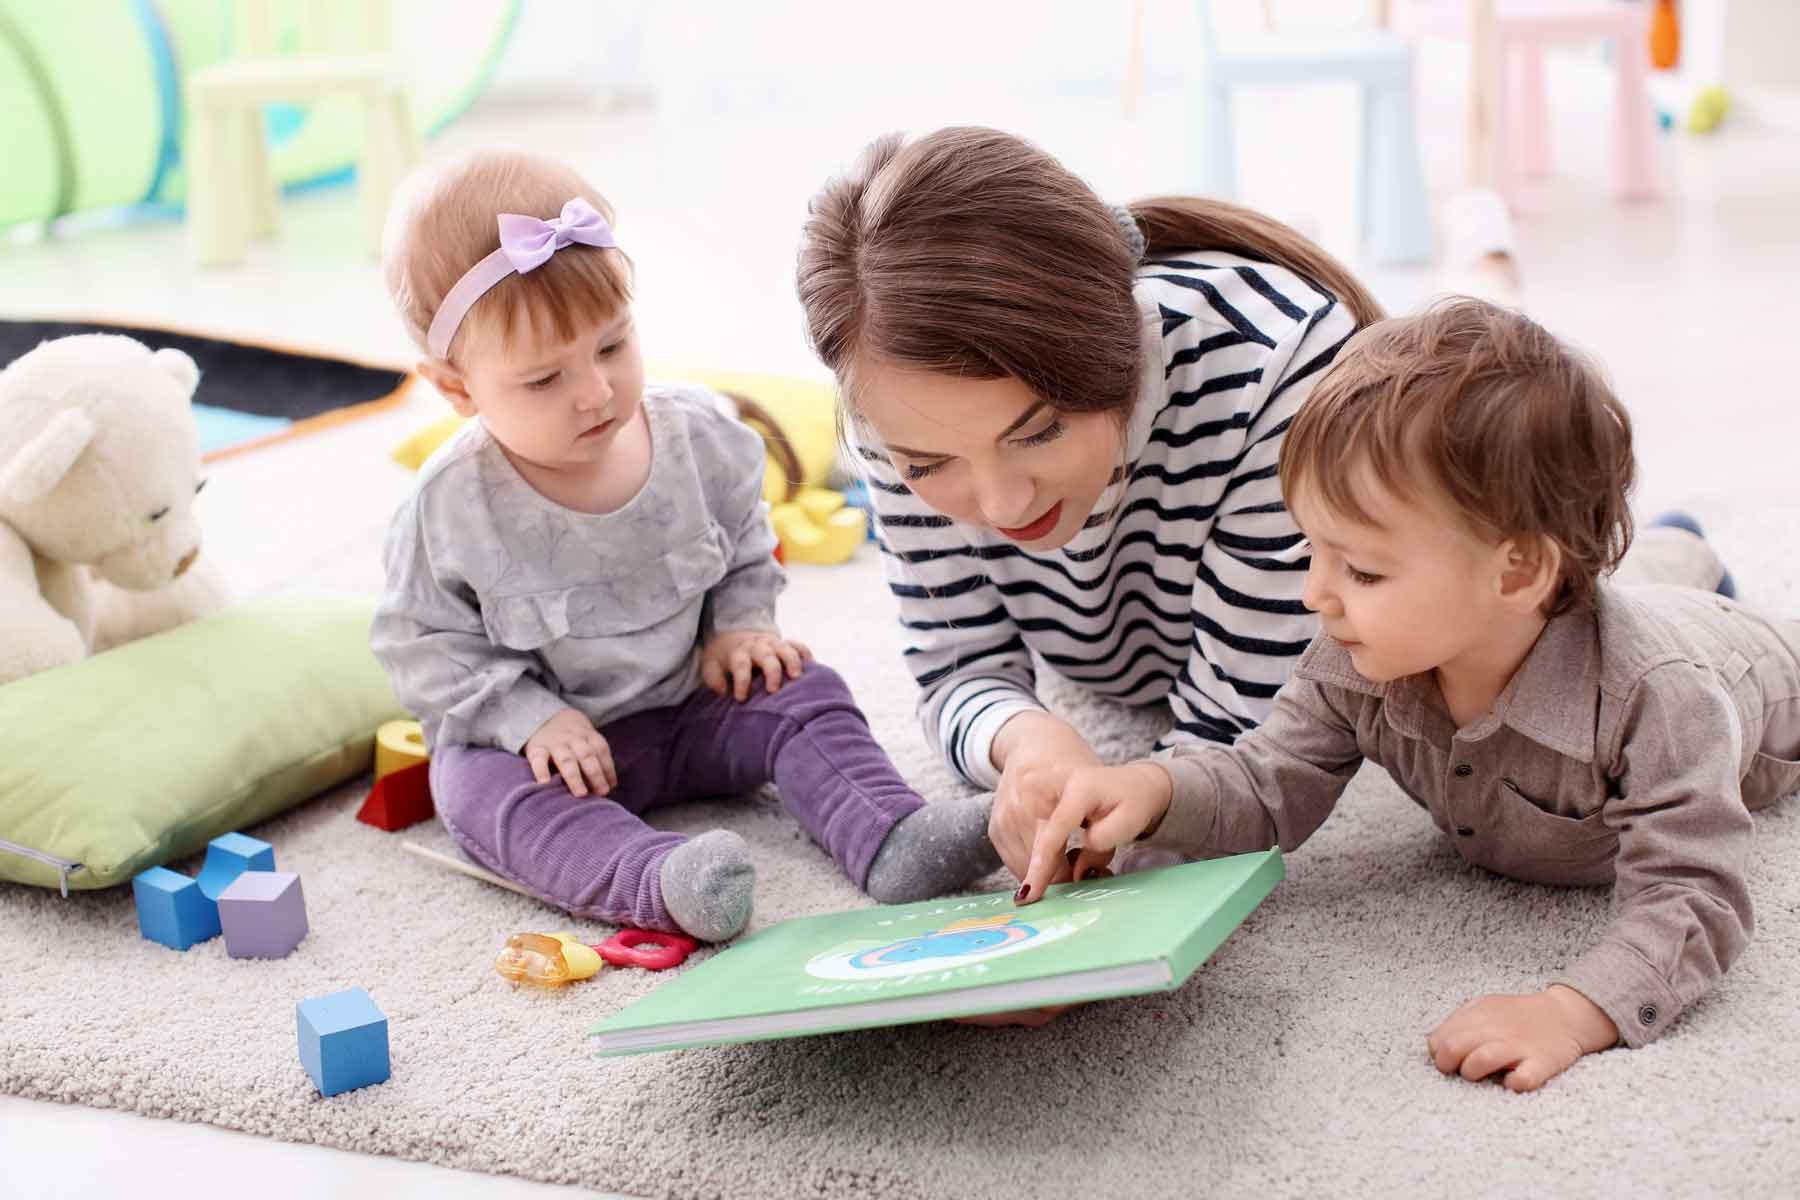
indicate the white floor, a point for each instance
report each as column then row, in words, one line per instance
column 1688, row 300
column 57, row 1152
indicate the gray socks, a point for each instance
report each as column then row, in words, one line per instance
column 707, row 880
column 706, row 885
column 939, row 848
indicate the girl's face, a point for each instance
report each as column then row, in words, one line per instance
column 990, row 452
column 557, row 405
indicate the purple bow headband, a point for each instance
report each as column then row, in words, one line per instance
column 526, row 243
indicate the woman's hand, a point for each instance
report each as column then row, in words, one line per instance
column 1031, row 1018
column 1036, row 753
column 734, row 659
column 580, row 755
column 1526, row 1040
column 1115, row 805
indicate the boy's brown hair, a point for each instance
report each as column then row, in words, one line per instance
column 1482, row 406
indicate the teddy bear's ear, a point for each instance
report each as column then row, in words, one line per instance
column 46, row 458
column 179, row 367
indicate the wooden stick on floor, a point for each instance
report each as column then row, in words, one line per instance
column 470, row 869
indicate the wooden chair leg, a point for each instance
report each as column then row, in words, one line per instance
column 379, row 167
column 1531, row 111
column 218, row 224
column 261, row 193
column 1396, row 219
column 1214, row 150
column 1634, row 124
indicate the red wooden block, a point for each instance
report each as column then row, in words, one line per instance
column 400, row 799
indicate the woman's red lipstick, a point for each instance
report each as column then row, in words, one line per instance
column 1038, row 528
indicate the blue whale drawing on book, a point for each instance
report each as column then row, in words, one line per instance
column 959, row 939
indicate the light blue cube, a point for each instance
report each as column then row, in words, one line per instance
column 230, row 855
column 171, row 909
column 343, row 1040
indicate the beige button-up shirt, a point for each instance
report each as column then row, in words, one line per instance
column 1628, row 749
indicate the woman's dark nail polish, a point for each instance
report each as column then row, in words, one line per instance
column 1024, row 891
column 1072, row 855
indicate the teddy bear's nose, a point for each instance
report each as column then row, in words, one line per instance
column 187, row 560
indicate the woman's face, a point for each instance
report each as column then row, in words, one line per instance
column 990, row 452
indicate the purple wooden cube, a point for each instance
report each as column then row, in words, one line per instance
column 263, row 914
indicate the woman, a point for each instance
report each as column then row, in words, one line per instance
column 1070, row 416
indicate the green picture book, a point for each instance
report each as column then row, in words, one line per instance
column 955, row 957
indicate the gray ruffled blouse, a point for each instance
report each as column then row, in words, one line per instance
column 502, row 607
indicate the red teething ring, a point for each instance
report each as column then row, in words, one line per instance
column 626, row 948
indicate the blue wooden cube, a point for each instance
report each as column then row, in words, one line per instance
column 263, row 914
column 343, row 1040
column 172, row 909
column 230, row 855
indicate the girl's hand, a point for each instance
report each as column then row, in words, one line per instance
column 736, row 657
column 1114, row 804
column 1035, row 753
column 1528, row 1040
column 580, row 755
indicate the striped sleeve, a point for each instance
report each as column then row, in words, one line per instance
column 962, row 647
column 1249, row 624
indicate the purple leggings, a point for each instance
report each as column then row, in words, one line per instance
column 595, row 857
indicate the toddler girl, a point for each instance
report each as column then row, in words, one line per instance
column 576, row 562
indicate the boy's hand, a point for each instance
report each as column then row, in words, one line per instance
column 580, row 755
column 1531, row 1038
column 735, row 657
column 1114, row 805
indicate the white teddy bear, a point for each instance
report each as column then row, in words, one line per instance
column 99, row 466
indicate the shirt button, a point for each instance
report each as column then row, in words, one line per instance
column 1464, row 770
column 1647, row 1015
column 1465, row 831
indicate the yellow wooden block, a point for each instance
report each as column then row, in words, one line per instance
column 398, row 745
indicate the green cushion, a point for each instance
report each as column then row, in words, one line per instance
column 141, row 755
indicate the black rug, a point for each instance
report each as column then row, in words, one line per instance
column 250, row 393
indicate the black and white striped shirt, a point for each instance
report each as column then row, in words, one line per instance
column 1186, row 582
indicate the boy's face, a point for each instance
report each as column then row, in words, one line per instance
column 1416, row 591
column 557, row 405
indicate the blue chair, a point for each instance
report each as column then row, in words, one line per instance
column 1394, row 212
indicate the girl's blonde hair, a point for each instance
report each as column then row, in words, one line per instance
column 444, row 222
column 972, row 252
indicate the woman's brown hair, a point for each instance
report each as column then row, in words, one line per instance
column 972, row 252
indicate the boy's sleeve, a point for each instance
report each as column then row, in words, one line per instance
column 1681, row 910
column 1272, row 787
column 732, row 457
column 443, row 667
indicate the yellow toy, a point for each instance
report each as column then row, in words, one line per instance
column 547, row 960
column 398, row 745
column 818, row 527
column 1709, row 108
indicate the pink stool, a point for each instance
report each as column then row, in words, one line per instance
column 1523, row 29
